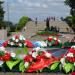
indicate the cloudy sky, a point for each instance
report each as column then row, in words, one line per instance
column 34, row 8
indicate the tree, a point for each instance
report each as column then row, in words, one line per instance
column 1, row 14
column 22, row 22
column 71, row 4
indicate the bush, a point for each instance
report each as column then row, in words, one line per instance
column 70, row 20
column 22, row 22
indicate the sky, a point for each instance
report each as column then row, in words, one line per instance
column 34, row 8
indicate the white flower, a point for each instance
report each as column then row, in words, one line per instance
column 37, row 48
column 48, row 55
column 34, row 54
column 43, row 44
column 16, row 40
column 12, row 43
column 73, row 47
column 8, row 42
column 25, row 44
column 59, row 41
column 24, row 38
column 1, row 62
column 74, row 63
column 13, row 55
column 2, row 48
column 62, row 60
column 50, row 36
column 20, row 38
column 20, row 44
column 26, row 64
column 70, row 55
column 55, row 38
column 13, row 38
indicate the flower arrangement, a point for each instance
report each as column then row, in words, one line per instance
column 38, row 60
column 68, row 60
column 47, row 33
column 53, row 41
column 6, row 56
column 17, row 41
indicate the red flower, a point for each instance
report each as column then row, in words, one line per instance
column 28, row 43
column 56, row 42
column 1, row 58
column 71, row 59
column 5, row 43
column 36, row 66
column 73, row 73
column 39, row 57
column 71, row 50
column 50, row 39
column 16, row 37
column 28, row 58
column 6, row 57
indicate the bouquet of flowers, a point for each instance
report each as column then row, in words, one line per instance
column 68, row 60
column 53, row 41
column 17, row 41
column 6, row 57
column 34, row 61
column 37, row 60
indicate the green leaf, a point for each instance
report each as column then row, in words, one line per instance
column 54, row 65
column 40, row 70
column 18, row 52
column 1, row 53
column 21, row 67
column 25, row 50
column 68, row 67
column 53, row 41
column 11, row 64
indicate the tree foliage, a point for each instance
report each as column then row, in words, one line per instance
column 1, row 14
column 71, row 19
column 22, row 22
